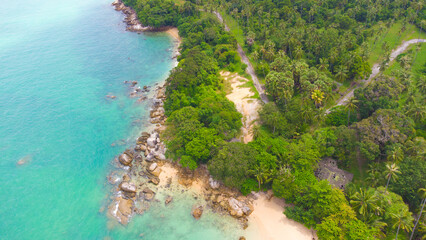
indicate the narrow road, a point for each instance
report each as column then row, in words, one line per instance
column 249, row 69
column 374, row 71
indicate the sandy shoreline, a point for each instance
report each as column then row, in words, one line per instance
column 174, row 32
column 267, row 222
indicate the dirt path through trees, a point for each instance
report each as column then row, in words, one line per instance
column 374, row 71
column 245, row 60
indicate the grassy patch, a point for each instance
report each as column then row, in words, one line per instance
column 227, row 88
column 419, row 59
column 393, row 37
column 234, row 28
column 249, row 84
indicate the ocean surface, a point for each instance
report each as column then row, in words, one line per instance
column 58, row 62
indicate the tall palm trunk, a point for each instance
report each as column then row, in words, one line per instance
column 387, row 184
column 349, row 115
column 397, row 231
column 418, row 219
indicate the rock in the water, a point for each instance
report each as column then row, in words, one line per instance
column 128, row 187
column 125, row 206
column 151, row 141
column 152, row 167
column 156, row 172
column 126, row 178
column 149, row 157
column 155, row 181
column 148, row 194
column 125, row 159
column 161, row 156
column 168, row 199
column 213, row 183
column 121, row 209
column 238, row 208
column 24, row 160
column 197, row 212
column 140, row 147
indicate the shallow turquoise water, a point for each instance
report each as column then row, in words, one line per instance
column 58, row 61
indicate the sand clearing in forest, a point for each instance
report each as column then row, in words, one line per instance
column 245, row 104
column 267, row 222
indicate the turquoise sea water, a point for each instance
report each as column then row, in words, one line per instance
column 58, row 61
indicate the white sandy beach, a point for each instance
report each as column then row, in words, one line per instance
column 267, row 222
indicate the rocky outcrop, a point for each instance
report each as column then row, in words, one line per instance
column 121, row 208
column 127, row 187
column 239, row 208
column 148, row 194
column 197, row 212
column 152, row 167
column 125, row 159
column 154, row 180
column 131, row 18
column 213, row 183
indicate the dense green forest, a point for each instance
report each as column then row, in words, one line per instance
column 307, row 53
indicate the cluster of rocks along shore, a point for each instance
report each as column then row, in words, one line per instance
column 131, row 19
column 137, row 188
column 142, row 163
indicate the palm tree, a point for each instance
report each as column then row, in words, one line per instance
column 416, row 112
column 365, row 202
column 392, row 171
column 319, row 114
column 298, row 52
column 257, row 172
column 255, row 55
column 275, row 118
column 396, row 155
column 350, row 106
column 317, row 96
column 306, row 113
column 323, row 64
column 341, row 73
column 402, row 219
column 422, row 192
column 262, row 173
column 421, row 84
column 250, row 38
column 418, row 48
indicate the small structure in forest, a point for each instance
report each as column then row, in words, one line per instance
column 327, row 169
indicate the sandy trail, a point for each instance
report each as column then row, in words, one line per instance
column 374, row 71
column 267, row 222
column 245, row 60
column 247, row 106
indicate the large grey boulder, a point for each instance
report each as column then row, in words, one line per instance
column 213, row 183
column 128, row 187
